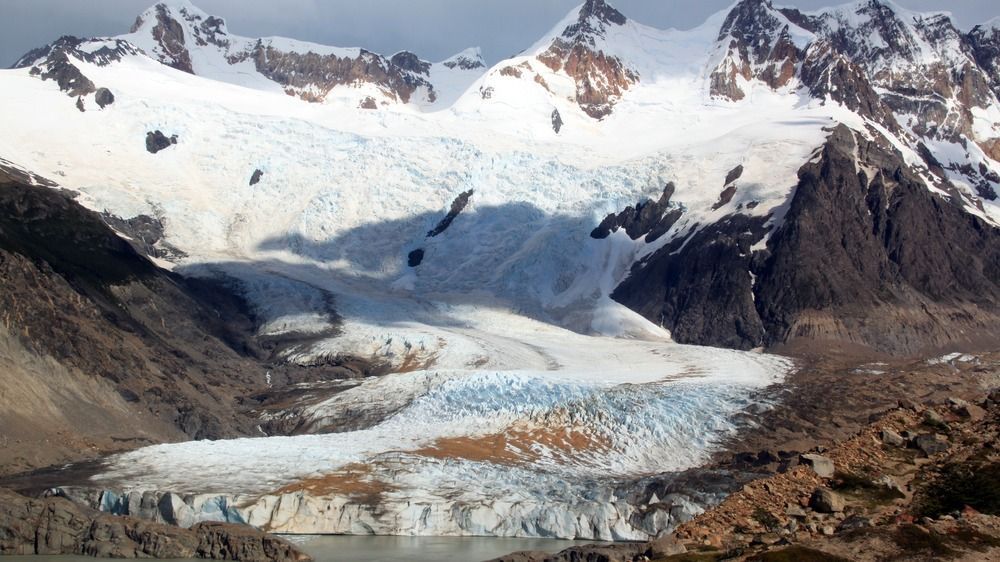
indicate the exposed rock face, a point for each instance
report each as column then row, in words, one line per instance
column 907, row 271
column 111, row 50
column 189, row 40
column 470, row 59
column 57, row 526
column 145, row 234
column 651, row 219
column 897, row 258
column 600, row 78
column 457, row 206
column 169, row 34
column 557, row 121
column 157, row 141
column 758, row 45
column 53, row 62
column 312, row 76
column 985, row 43
column 891, row 67
column 829, row 75
column 700, row 288
column 256, row 177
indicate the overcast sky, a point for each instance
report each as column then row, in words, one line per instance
column 434, row 29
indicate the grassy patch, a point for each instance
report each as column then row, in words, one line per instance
column 796, row 554
column 958, row 485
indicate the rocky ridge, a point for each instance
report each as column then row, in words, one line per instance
column 915, row 74
column 181, row 36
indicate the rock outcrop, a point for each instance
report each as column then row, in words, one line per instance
column 457, row 206
column 157, row 141
column 55, row 62
column 649, row 219
column 58, row 526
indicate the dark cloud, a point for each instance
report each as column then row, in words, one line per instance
column 434, row 29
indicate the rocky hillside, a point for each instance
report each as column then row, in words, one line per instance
column 101, row 350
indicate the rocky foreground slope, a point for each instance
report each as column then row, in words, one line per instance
column 916, row 481
column 57, row 526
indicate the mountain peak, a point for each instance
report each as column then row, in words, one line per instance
column 595, row 16
column 748, row 18
column 469, row 59
column 601, row 11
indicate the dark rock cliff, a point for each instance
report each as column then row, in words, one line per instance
column 877, row 262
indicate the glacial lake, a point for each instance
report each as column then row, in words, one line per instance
column 388, row 549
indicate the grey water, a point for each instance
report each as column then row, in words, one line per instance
column 328, row 548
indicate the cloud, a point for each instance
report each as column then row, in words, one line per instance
column 434, row 29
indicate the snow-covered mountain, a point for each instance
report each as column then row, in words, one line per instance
column 503, row 240
column 179, row 35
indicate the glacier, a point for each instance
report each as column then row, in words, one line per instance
column 524, row 401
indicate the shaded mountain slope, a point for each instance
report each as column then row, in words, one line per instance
column 865, row 256
column 103, row 350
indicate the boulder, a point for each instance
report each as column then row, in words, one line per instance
column 854, row 522
column 971, row 412
column 892, row 439
column 931, row 444
column 934, row 419
column 666, row 546
column 224, row 541
column 104, row 97
column 795, row 511
column 826, row 501
column 889, row 483
column 821, row 465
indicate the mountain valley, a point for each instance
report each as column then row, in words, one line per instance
column 322, row 290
